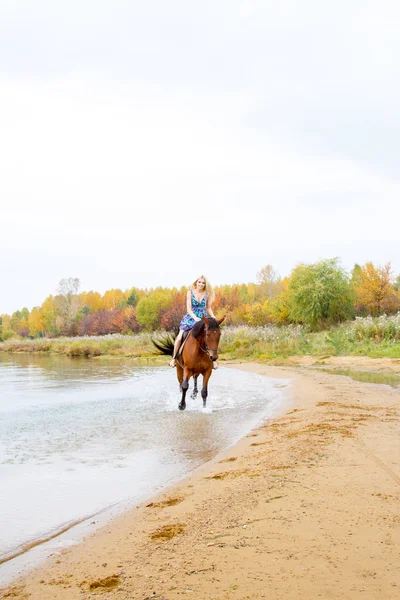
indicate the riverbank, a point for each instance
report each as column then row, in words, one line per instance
column 375, row 338
column 306, row 506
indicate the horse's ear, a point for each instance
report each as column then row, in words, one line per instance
column 206, row 320
column 219, row 321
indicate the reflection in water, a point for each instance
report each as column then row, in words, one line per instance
column 78, row 435
column 367, row 376
column 47, row 370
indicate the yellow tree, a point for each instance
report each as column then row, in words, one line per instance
column 36, row 322
column 374, row 290
column 279, row 306
column 92, row 300
column 254, row 314
column 23, row 327
column 251, row 292
column 114, row 299
column 6, row 325
column 19, row 321
column 49, row 312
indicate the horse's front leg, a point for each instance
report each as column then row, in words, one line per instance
column 204, row 390
column 195, row 390
column 185, row 386
column 179, row 374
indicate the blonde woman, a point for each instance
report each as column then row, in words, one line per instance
column 199, row 300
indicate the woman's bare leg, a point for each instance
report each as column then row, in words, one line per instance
column 176, row 346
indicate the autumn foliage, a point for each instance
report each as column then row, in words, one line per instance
column 374, row 290
column 317, row 295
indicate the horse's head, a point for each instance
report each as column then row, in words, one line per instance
column 212, row 334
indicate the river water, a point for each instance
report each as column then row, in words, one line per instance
column 78, row 436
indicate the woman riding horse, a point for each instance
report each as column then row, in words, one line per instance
column 199, row 300
column 200, row 350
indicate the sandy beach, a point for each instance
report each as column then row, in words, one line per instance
column 307, row 506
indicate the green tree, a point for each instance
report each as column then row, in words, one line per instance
column 150, row 310
column 133, row 298
column 6, row 322
column 319, row 294
column 15, row 319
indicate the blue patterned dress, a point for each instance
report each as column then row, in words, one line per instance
column 199, row 309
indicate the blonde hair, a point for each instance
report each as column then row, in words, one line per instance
column 209, row 288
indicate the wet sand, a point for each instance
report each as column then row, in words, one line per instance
column 307, row 506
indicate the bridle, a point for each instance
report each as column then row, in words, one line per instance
column 207, row 349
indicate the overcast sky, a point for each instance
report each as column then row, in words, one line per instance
column 145, row 143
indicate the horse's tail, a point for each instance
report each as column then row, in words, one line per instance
column 165, row 344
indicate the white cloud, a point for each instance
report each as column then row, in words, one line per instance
column 140, row 163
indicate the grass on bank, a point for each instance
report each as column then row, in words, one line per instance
column 138, row 346
column 374, row 337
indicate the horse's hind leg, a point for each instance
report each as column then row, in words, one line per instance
column 195, row 390
column 184, row 387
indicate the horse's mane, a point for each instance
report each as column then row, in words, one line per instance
column 198, row 328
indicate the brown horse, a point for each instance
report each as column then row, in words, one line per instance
column 197, row 357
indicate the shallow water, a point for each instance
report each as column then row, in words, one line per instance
column 78, row 436
column 367, row 376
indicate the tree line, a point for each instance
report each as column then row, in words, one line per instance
column 317, row 295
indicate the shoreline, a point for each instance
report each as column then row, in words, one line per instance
column 305, row 505
column 358, row 361
column 35, row 551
